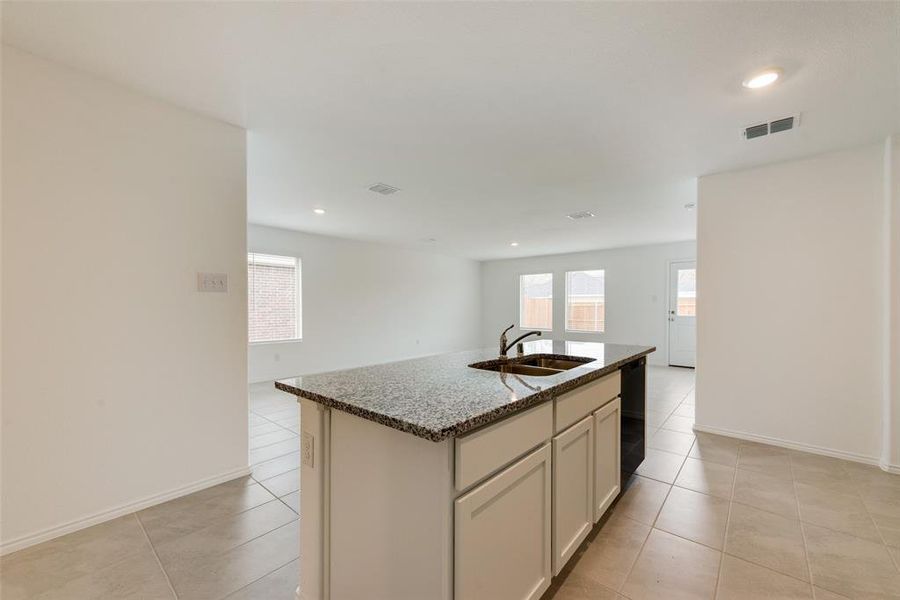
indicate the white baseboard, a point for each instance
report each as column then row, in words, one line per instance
column 107, row 515
column 764, row 439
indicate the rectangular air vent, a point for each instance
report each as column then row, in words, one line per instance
column 383, row 188
column 585, row 214
column 776, row 126
column 781, row 125
column 755, row 131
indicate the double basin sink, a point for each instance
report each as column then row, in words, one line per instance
column 536, row 366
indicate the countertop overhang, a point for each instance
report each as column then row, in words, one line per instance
column 441, row 396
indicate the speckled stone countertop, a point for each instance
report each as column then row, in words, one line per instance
column 441, row 396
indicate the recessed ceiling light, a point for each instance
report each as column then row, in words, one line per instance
column 762, row 78
column 690, row 206
column 514, row 244
column 319, row 211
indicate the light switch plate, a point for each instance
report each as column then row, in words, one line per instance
column 212, row 282
column 307, row 448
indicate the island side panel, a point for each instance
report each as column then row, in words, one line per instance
column 391, row 513
column 315, row 461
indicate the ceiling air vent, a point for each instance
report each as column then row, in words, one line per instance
column 383, row 188
column 585, row 214
column 776, row 126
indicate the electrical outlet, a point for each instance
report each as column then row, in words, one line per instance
column 307, row 446
column 212, row 282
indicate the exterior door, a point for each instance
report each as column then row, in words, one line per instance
column 682, row 313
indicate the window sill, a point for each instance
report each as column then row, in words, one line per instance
column 269, row 343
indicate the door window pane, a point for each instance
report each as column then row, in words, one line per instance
column 686, row 305
column 536, row 301
column 586, row 301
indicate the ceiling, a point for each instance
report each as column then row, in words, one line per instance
column 494, row 119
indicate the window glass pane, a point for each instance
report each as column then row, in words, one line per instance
column 585, row 301
column 687, row 293
column 536, row 301
column 273, row 295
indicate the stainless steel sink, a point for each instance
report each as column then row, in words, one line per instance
column 558, row 364
column 518, row 369
column 535, row 366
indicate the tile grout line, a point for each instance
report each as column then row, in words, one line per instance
column 156, row 556
column 727, row 525
column 230, row 594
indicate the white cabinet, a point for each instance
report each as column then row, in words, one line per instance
column 607, row 460
column 573, row 489
column 502, row 533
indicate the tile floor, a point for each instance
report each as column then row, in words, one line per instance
column 238, row 540
column 706, row 517
column 713, row 517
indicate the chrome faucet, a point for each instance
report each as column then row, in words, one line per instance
column 504, row 346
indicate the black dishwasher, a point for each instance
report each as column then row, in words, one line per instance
column 634, row 389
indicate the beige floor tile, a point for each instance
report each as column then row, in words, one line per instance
column 682, row 424
column 283, row 484
column 276, row 466
column 822, row 471
column 659, row 465
column 765, row 492
column 136, row 578
column 849, row 565
column 191, row 513
column 671, row 441
column 689, row 399
column 50, row 565
column 293, row 501
column 222, row 574
column 224, row 534
column 887, row 520
column 767, row 539
column 277, row 585
column 840, row 512
column 655, row 418
column 274, row 450
column 765, row 459
column 685, row 410
column 715, row 448
column 577, row 586
column 641, row 499
column 263, row 427
column 741, row 580
column 706, row 477
column 895, row 552
column 267, row 439
column 821, row 594
column 697, row 517
column 673, row 568
column 610, row 555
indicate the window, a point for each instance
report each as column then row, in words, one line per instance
column 273, row 293
column 686, row 299
column 536, row 301
column 585, row 301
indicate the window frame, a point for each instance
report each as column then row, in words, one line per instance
column 522, row 325
column 298, row 300
column 584, row 331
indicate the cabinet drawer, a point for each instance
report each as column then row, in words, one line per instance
column 484, row 451
column 579, row 403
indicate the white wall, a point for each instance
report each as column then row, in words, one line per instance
column 636, row 293
column 890, row 455
column 366, row 303
column 121, row 383
column 790, row 310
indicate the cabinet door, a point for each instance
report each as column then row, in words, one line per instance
column 502, row 533
column 607, row 441
column 573, row 490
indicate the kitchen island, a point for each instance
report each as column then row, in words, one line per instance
column 462, row 475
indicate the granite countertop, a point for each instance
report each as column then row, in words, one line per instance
column 438, row 397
